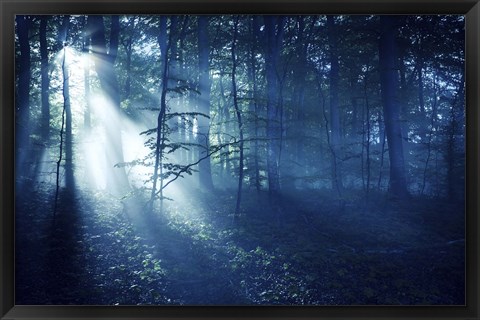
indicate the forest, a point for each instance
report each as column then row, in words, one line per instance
column 240, row 160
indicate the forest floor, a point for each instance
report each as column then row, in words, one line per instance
column 303, row 249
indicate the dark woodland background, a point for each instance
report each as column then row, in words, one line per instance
column 239, row 160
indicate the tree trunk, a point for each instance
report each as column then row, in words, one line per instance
column 300, row 72
column 381, row 129
column 127, row 45
column 204, row 167
column 253, row 104
column 184, row 104
column 336, row 148
column 403, row 93
column 69, row 179
column 158, row 166
column 391, row 109
column 86, row 79
column 22, row 141
column 455, row 187
column 273, row 25
column 226, row 127
column 421, row 99
column 45, row 126
column 428, row 142
column 239, row 120
column 66, row 122
column 367, row 141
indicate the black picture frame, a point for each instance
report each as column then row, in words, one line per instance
column 8, row 10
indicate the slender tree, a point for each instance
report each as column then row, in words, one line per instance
column 454, row 181
column 391, row 108
column 164, row 43
column 239, row 117
column 45, row 77
column 24, row 72
column 254, row 30
column 87, row 123
column 69, row 180
column 66, row 127
column 335, row 136
column 127, row 43
column 274, row 35
column 299, row 91
column 204, row 84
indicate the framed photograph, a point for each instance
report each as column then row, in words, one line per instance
column 269, row 159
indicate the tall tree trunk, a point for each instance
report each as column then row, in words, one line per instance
column 104, row 65
column 381, row 129
column 45, row 126
column 335, row 136
column 184, row 104
column 421, row 100
column 253, row 102
column 391, row 109
column 454, row 181
column 367, row 140
column 22, row 132
column 226, row 127
column 160, row 139
column 204, row 167
column 69, row 180
column 299, row 96
column 273, row 27
column 66, row 127
column 60, row 151
column 428, row 143
column 450, row 155
column 174, row 74
column 403, row 96
column 86, row 79
column 239, row 120
column 173, row 67
column 127, row 45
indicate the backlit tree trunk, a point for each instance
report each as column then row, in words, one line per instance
column 204, row 167
column 160, row 138
column 69, row 180
column 45, row 77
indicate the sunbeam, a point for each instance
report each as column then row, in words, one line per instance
column 240, row 159
column 97, row 143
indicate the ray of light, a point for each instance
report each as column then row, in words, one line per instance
column 93, row 167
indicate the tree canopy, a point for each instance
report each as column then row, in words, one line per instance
column 304, row 117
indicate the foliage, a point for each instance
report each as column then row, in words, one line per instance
column 271, row 109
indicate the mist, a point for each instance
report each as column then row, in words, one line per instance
column 240, row 160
